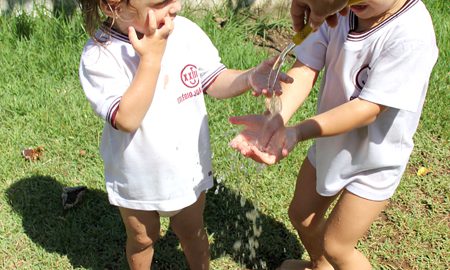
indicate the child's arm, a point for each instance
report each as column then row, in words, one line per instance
column 275, row 141
column 137, row 99
column 296, row 93
column 260, row 129
column 344, row 118
column 231, row 83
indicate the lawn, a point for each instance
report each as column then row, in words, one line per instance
column 43, row 105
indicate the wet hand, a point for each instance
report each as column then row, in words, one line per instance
column 259, row 79
column 247, row 146
column 264, row 138
column 248, row 140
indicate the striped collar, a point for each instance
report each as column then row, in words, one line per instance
column 353, row 22
column 108, row 32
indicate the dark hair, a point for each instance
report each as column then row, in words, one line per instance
column 93, row 16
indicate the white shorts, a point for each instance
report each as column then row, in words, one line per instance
column 375, row 185
column 168, row 213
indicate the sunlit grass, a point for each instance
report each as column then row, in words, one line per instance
column 42, row 104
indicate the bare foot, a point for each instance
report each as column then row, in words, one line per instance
column 295, row 265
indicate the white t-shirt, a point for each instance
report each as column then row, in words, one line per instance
column 166, row 163
column 388, row 65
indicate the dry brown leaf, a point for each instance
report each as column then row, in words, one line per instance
column 33, row 154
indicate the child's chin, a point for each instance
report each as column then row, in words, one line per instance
column 358, row 8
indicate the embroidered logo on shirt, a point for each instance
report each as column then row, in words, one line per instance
column 360, row 80
column 189, row 76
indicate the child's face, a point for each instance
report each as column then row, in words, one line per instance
column 135, row 13
column 373, row 12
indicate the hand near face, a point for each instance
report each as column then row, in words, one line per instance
column 318, row 12
column 152, row 41
column 259, row 79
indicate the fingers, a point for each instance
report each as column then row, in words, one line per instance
column 241, row 144
column 315, row 20
column 132, row 35
column 286, row 78
column 298, row 11
column 150, row 22
column 259, row 77
column 250, row 150
column 271, row 126
column 152, row 25
column 344, row 11
column 251, row 121
column 332, row 20
column 318, row 13
column 168, row 27
column 271, row 61
column 263, row 157
column 253, row 152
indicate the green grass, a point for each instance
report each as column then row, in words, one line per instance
column 42, row 104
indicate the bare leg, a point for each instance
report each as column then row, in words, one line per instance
column 347, row 223
column 306, row 212
column 189, row 228
column 142, row 232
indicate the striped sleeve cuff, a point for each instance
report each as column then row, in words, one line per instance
column 208, row 80
column 112, row 111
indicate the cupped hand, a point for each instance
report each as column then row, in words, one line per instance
column 264, row 138
column 248, row 147
column 152, row 42
column 259, row 79
column 248, row 141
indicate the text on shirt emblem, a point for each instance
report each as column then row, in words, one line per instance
column 189, row 76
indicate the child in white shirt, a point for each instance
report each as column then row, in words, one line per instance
column 377, row 63
column 145, row 72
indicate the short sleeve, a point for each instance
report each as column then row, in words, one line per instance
column 206, row 54
column 312, row 51
column 399, row 76
column 102, row 80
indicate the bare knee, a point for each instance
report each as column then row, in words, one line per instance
column 294, row 215
column 189, row 233
column 334, row 250
column 303, row 223
column 142, row 239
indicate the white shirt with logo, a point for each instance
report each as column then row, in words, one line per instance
column 388, row 65
column 166, row 163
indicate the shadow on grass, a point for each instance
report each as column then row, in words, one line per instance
column 92, row 236
column 255, row 240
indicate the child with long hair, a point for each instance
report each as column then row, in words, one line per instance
column 145, row 71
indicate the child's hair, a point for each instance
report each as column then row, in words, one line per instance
column 93, row 16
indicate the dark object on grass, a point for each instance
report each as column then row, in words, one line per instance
column 71, row 196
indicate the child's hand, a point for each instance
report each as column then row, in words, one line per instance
column 246, row 141
column 264, row 139
column 153, row 41
column 248, row 148
column 259, row 79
